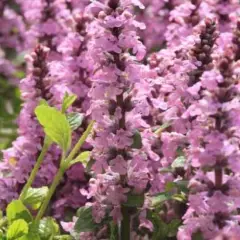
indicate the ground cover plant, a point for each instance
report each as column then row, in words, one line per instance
column 120, row 119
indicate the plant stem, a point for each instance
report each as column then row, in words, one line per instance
column 218, row 177
column 125, row 224
column 63, row 167
column 80, row 141
column 34, row 172
column 51, row 191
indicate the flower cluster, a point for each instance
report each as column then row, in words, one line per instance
column 160, row 79
column 213, row 149
column 50, row 79
column 12, row 40
column 118, row 108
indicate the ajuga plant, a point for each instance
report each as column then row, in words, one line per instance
column 160, row 82
column 24, row 217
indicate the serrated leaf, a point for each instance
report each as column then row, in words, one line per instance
column 16, row 210
column 35, row 196
column 85, row 222
column 137, row 140
column 179, row 162
column 82, row 158
column 134, row 200
column 75, row 120
column 32, row 232
column 68, row 100
column 48, row 228
column 17, row 229
column 55, row 125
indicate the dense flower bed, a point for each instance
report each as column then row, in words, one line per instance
column 159, row 82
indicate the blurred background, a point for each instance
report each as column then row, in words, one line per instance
column 12, row 68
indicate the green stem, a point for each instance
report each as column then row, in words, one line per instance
column 80, row 141
column 125, row 224
column 63, row 167
column 51, row 191
column 34, row 172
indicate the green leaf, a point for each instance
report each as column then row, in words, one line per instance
column 134, row 200
column 181, row 186
column 19, row 74
column 62, row 237
column 32, row 232
column 137, row 140
column 173, row 227
column 82, row 158
column 55, row 125
column 43, row 102
column 16, row 210
column 2, row 235
column 35, row 196
column 179, row 162
column 48, row 228
column 3, row 222
column 160, row 198
column 162, row 128
column 85, row 222
column 197, row 236
column 17, row 229
column 68, row 100
column 160, row 227
column 113, row 231
column 89, row 165
column 181, row 197
column 75, row 120
column 170, row 186
column 166, row 170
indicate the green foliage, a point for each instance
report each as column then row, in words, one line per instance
column 35, row 196
column 48, row 228
column 161, row 128
column 179, row 162
column 113, row 231
column 75, row 120
column 163, row 230
column 137, row 140
column 85, row 222
column 82, row 158
column 197, row 236
column 32, row 232
column 55, row 125
column 18, row 223
column 17, row 229
column 134, row 200
column 68, row 100
column 9, row 109
column 174, row 191
column 62, row 237
column 16, row 210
